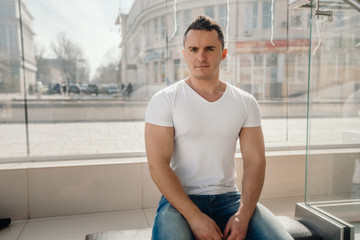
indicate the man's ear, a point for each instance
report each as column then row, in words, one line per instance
column 184, row 52
column 224, row 54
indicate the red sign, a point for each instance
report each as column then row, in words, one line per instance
column 294, row 45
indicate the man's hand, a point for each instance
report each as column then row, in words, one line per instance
column 203, row 227
column 236, row 228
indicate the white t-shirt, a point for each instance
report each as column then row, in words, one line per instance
column 205, row 134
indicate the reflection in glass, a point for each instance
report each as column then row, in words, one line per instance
column 83, row 83
column 333, row 175
column 16, row 77
column 105, row 71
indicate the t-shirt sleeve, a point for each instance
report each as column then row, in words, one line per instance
column 253, row 115
column 158, row 111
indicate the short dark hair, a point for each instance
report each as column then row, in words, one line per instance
column 206, row 23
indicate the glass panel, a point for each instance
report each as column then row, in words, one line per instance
column 333, row 175
column 284, row 67
column 13, row 90
column 77, row 102
column 91, row 96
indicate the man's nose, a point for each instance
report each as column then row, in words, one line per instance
column 201, row 54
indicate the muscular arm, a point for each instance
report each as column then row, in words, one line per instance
column 159, row 143
column 159, row 148
column 253, row 155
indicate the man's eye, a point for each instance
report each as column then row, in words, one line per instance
column 193, row 50
column 210, row 49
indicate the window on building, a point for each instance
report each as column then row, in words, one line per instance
column 186, row 19
column 273, row 74
column 223, row 14
column 163, row 71
column 266, row 15
column 147, row 33
column 137, row 43
column 177, row 68
column 295, row 21
column 148, row 70
column 209, row 11
column 156, row 72
column 156, row 28
column 163, row 27
column 128, row 50
column 255, row 15
column 251, row 15
column 271, row 59
column 177, row 22
column 258, row 59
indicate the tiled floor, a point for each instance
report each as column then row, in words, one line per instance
column 76, row 227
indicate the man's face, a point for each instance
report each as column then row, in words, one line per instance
column 203, row 54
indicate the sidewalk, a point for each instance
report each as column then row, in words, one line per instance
column 115, row 137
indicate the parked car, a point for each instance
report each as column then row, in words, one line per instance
column 74, row 88
column 55, row 89
column 113, row 89
column 83, row 88
column 103, row 88
column 92, row 88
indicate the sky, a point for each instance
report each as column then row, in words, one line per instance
column 88, row 23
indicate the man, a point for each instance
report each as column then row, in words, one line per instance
column 191, row 131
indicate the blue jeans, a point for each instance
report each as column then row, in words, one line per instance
column 170, row 224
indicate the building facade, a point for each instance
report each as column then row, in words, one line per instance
column 13, row 71
column 268, row 58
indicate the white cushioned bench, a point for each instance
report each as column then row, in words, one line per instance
column 296, row 229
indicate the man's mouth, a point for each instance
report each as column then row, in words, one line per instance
column 202, row 66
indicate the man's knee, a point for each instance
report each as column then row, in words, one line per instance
column 170, row 224
column 264, row 225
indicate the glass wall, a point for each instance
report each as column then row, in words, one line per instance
column 11, row 81
column 76, row 76
column 333, row 181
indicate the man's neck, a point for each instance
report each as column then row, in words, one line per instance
column 206, row 86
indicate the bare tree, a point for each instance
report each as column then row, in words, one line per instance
column 73, row 64
column 40, row 62
column 109, row 70
column 107, row 74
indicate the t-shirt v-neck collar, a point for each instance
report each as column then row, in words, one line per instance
column 198, row 95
